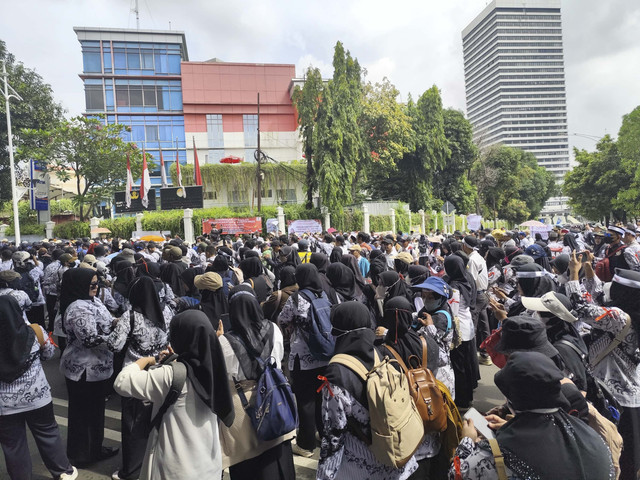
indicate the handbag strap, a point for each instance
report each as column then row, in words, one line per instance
column 38, row 331
column 499, row 459
column 398, row 359
column 177, row 383
column 617, row 340
column 401, row 362
column 354, row 364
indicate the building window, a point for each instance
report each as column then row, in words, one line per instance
column 210, row 195
column 94, row 97
column 287, row 195
column 267, row 193
column 238, row 197
column 215, row 137
column 91, row 57
column 250, row 127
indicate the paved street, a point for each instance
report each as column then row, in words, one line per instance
column 487, row 396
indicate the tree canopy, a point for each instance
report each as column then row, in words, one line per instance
column 37, row 110
column 86, row 149
column 511, row 183
column 605, row 183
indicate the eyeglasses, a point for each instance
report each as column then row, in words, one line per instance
column 93, row 285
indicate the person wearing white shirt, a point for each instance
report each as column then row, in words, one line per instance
column 477, row 267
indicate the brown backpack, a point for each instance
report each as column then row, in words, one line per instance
column 424, row 390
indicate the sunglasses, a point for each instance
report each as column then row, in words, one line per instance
column 93, row 285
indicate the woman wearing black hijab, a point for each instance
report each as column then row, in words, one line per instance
column 405, row 341
column 124, row 274
column 344, row 284
column 188, row 276
column 214, row 302
column 25, row 396
column 145, row 326
column 304, row 367
column 344, row 455
column 229, row 277
column 87, row 364
column 351, row 262
column 533, row 281
column 252, row 270
column 321, row 261
column 252, row 336
column 418, row 274
column 336, row 255
column 464, row 358
column 187, row 442
column 565, row 446
column 172, row 270
column 277, row 300
column 146, row 268
column 378, row 265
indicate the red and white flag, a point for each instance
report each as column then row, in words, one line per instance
column 179, row 175
column 127, row 193
column 163, row 172
column 145, row 182
column 197, row 178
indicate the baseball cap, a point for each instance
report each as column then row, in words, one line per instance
column 551, row 302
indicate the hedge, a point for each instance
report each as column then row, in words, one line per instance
column 71, row 230
column 172, row 220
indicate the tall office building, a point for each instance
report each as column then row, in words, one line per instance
column 133, row 77
column 514, row 79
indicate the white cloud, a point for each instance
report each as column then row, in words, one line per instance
column 415, row 43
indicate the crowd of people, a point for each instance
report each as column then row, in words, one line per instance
column 194, row 337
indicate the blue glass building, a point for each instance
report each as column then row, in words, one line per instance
column 133, row 77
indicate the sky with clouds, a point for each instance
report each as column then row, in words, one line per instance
column 415, row 43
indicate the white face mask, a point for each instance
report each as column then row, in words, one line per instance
column 562, row 278
column 607, row 292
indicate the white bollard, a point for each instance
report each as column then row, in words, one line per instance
column 422, row 226
column 188, row 226
column 392, row 213
column 281, row 225
column 139, row 217
column 49, row 226
column 365, row 222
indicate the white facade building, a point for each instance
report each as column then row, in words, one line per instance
column 514, row 78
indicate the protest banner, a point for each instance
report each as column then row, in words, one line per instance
column 232, row 225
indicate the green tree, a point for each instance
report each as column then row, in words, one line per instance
column 337, row 139
column 594, row 184
column 388, row 135
column 628, row 198
column 307, row 100
column 37, row 110
column 452, row 182
column 511, row 184
column 87, row 150
column 431, row 152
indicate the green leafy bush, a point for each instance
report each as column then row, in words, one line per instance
column 69, row 230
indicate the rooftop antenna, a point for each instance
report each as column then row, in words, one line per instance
column 136, row 9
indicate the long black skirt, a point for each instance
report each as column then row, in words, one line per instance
column 629, row 429
column 274, row 464
column 464, row 361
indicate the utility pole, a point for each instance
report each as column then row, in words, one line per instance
column 259, row 160
column 14, row 194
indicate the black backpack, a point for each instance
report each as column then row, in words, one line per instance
column 27, row 285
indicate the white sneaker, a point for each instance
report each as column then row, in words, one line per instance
column 115, row 475
column 301, row 451
column 70, row 476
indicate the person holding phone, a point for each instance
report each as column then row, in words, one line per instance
column 567, row 447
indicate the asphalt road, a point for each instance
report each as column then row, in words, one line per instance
column 486, row 397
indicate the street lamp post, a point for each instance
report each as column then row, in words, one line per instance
column 14, row 194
